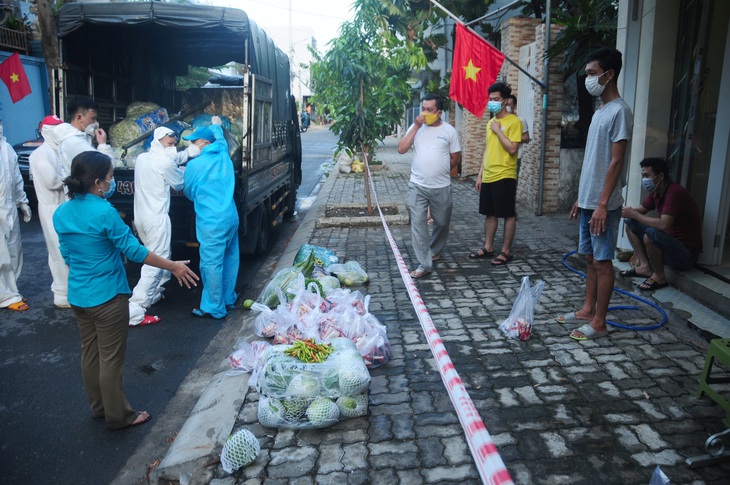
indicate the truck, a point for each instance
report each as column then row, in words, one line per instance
column 125, row 52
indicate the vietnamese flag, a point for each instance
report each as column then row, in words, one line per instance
column 475, row 68
column 13, row 75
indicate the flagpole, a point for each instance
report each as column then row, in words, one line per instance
column 532, row 78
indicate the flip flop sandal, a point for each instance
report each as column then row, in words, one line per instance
column 631, row 273
column 502, row 259
column 569, row 318
column 481, row 254
column 435, row 257
column 419, row 273
column 150, row 320
column 18, row 306
column 198, row 313
column 588, row 333
column 650, row 284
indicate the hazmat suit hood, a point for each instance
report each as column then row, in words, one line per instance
column 65, row 131
column 159, row 133
column 50, row 137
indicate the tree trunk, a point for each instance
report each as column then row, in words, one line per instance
column 48, row 25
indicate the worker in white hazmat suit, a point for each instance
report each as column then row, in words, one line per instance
column 45, row 168
column 12, row 198
column 155, row 172
column 76, row 136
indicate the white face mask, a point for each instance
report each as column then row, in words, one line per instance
column 170, row 152
column 594, row 87
column 193, row 150
column 91, row 129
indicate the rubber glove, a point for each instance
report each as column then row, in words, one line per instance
column 25, row 208
column 216, row 120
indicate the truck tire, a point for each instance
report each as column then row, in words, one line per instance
column 249, row 242
column 264, row 235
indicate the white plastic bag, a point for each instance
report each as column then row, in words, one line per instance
column 518, row 325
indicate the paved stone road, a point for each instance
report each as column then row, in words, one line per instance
column 560, row 411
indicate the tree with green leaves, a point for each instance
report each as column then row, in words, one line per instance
column 363, row 77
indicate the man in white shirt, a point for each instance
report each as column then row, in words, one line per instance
column 436, row 150
column 45, row 167
column 75, row 136
column 511, row 107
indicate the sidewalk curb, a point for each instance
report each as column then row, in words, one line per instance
column 210, row 423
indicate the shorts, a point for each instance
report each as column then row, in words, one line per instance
column 676, row 255
column 498, row 198
column 603, row 246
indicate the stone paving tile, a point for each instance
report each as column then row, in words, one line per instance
column 559, row 411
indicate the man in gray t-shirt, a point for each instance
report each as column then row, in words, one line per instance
column 599, row 194
column 436, row 151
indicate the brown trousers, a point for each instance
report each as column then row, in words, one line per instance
column 104, row 330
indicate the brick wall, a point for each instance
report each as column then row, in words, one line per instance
column 517, row 32
column 529, row 183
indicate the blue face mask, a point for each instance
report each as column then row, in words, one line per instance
column 494, row 107
column 648, row 184
column 112, row 188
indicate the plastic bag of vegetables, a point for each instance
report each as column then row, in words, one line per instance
column 349, row 273
column 283, row 280
column 343, row 372
column 322, row 256
column 301, row 395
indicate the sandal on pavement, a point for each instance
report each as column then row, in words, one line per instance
column 150, row 320
column 18, row 306
column 419, row 273
column 650, row 284
column 481, row 254
column 198, row 313
column 631, row 273
column 569, row 318
column 142, row 418
column 586, row 332
column 502, row 259
column 435, row 257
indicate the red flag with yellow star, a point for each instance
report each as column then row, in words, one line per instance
column 475, row 68
column 13, row 75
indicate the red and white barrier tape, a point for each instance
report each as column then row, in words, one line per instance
column 489, row 464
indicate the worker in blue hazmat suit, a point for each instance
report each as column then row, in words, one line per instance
column 209, row 183
column 12, row 198
column 155, row 172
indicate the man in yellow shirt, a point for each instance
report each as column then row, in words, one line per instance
column 497, row 180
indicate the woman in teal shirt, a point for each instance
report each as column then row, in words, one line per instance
column 92, row 239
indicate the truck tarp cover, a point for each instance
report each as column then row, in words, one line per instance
column 179, row 35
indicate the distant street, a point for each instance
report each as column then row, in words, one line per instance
column 47, row 433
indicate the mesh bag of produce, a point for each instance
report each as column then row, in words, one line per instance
column 323, row 412
column 353, row 406
column 241, row 449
